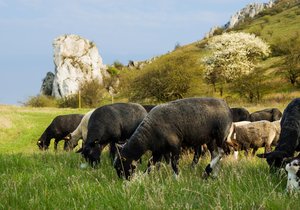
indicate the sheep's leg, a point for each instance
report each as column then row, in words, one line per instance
column 254, row 151
column 55, row 144
column 167, row 158
column 198, row 151
column 112, row 151
column 268, row 148
column 174, row 163
column 213, row 166
column 235, row 154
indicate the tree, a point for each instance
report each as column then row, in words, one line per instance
column 161, row 82
column 291, row 52
column 251, row 87
column 232, row 55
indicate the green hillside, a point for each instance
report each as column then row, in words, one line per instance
column 275, row 26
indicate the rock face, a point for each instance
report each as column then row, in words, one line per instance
column 76, row 60
column 250, row 11
column 47, row 84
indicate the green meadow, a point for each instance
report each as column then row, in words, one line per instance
column 33, row 179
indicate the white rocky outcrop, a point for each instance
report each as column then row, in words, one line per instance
column 250, row 11
column 76, row 60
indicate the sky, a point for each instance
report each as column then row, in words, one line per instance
column 123, row 30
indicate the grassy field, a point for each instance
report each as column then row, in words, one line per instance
column 32, row 179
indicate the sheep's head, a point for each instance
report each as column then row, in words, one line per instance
column 41, row 144
column 123, row 166
column 293, row 167
column 275, row 159
column 91, row 152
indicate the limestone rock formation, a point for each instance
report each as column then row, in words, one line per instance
column 47, row 84
column 250, row 11
column 76, row 60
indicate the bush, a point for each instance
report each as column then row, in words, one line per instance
column 71, row 101
column 41, row 101
column 161, row 83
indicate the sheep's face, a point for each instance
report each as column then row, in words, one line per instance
column 124, row 167
column 293, row 167
column 91, row 153
column 41, row 144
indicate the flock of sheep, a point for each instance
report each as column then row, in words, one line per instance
column 131, row 130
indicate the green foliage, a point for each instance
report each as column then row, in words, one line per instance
column 252, row 87
column 92, row 93
column 113, row 71
column 91, row 96
column 291, row 67
column 71, row 101
column 161, row 83
column 41, row 101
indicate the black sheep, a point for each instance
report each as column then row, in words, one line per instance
column 111, row 124
column 58, row 129
column 271, row 115
column 239, row 114
column 289, row 139
column 191, row 121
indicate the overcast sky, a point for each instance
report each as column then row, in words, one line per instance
column 123, row 30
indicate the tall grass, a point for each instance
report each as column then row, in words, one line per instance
column 33, row 179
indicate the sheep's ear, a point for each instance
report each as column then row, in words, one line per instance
column 264, row 155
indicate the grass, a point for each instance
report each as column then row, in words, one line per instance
column 33, row 179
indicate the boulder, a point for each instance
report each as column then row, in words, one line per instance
column 76, row 61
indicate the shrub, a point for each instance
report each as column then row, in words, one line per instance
column 41, row 101
column 161, row 83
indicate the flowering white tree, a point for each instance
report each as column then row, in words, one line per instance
column 233, row 55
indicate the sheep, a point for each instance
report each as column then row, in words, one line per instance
column 253, row 135
column 111, row 124
column 271, row 115
column 289, row 139
column 58, row 129
column 80, row 132
column 190, row 121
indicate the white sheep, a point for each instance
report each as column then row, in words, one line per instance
column 246, row 135
column 80, row 132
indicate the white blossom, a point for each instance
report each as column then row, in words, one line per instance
column 234, row 55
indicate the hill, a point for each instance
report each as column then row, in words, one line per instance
column 276, row 25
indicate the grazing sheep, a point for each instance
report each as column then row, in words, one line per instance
column 191, row 121
column 58, row 129
column 111, row 124
column 239, row 114
column 266, row 114
column 289, row 139
column 253, row 135
column 80, row 132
